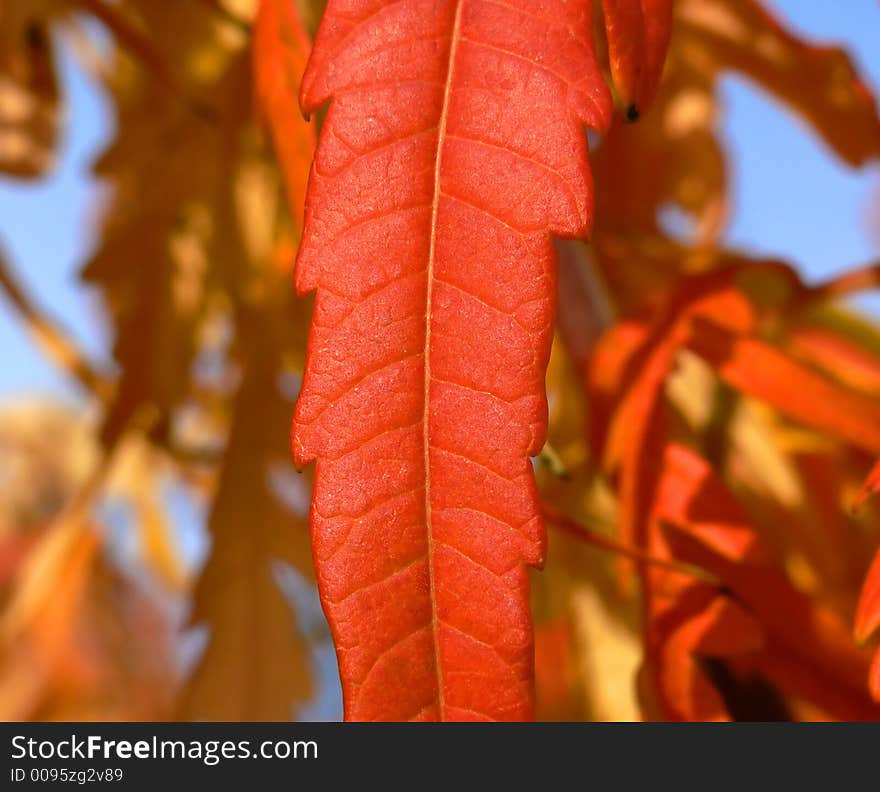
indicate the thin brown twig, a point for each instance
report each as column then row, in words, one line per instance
column 602, row 542
column 58, row 347
column 855, row 280
column 54, row 342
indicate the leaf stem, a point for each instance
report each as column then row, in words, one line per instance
column 587, row 535
column 859, row 279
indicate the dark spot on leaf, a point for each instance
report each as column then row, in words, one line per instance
column 35, row 37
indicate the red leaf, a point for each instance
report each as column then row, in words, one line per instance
column 637, row 436
column 658, row 29
column 805, row 628
column 281, row 48
column 714, row 315
column 692, row 498
column 870, row 487
column 701, row 624
column 874, row 678
column 723, row 628
column 837, row 356
column 606, row 375
column 868, row 618
column 555, row 675
column 686, row 619
column 625, row 28
column 868, row 612
column 806, row 651
column 638, row 36
column 452, row 148
column 758, row 369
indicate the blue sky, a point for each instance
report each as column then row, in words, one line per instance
column 791, row 197
column 45, row 231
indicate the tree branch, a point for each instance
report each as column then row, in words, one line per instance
column 53, row 341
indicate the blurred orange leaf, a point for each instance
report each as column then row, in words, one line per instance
column 281, row 48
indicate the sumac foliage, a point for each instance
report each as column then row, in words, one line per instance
column 519, row 338
column 452, row 148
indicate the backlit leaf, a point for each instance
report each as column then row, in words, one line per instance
column 452, row 149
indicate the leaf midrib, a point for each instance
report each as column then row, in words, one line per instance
column 435, row 204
